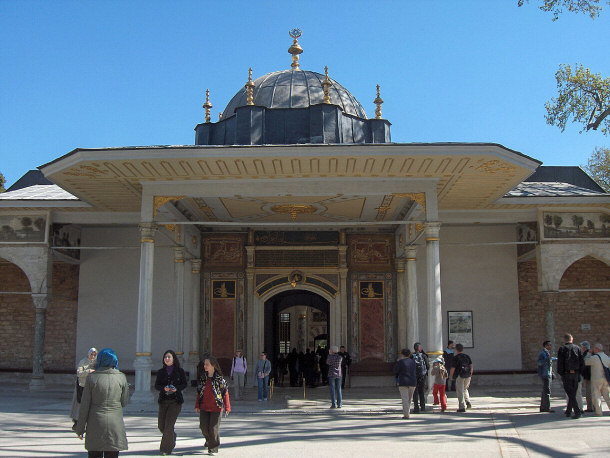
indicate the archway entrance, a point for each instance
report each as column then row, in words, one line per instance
column 295, row 319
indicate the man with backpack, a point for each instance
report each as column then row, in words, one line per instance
column 599, row 363
column 462, row 371
column 421, row 370
column 570, row 364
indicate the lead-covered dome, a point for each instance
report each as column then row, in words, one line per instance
column 295, row 88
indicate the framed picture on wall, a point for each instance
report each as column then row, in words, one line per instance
column 460, row 328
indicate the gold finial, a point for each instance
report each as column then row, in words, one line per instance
column 220, row 116
column 295, row 49
column 326, row 84
column 250, row 88
column 378, row 101
column 207, row 105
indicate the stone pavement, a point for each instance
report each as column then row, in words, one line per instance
column 504, row 421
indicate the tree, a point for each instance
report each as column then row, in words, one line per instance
column 2, row 181
column 590, row 7
column 577, row 220
column 598, row 167
column 584, row 97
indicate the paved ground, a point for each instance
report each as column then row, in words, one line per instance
column 504, row 421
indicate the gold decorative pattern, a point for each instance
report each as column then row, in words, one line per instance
column 495, row 166
column 293, row 209
column 383, row 208
column 295, row 278
column 378, row 101
column 88, row 171
column 143, row 353
column 371, row 289
column 295, row 49
column 170, row 227
column 207, row 105
column 159, row 201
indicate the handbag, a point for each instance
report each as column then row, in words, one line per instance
column 606, row 370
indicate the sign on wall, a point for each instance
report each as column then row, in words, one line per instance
column 460, row 328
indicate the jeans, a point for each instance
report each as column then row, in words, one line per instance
column 263, row 383
column 461, row 389
column 545, row 397
column 169, row 410
column 570, row 385
column 419, row 397
column 406, row 394
column 238, row 383
column 335, row 385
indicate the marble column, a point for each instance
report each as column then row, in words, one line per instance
column 402, row 305
column 179, row 303
column 193, row 359
column 251, row 340
column 341, row 337
column 549, row 299
column 143, row 363
column 41, row 301
column 435, row 316
column 412, row 302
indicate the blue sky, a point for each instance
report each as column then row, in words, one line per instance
column 125, row 73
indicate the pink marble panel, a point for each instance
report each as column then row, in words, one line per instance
column 223, row 328
column 372, row 333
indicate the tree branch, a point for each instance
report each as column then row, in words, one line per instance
column 598, row 121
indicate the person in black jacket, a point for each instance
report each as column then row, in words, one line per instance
column 404, row 373
column 570, row 364
column 171, row 380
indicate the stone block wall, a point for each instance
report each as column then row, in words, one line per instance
column 17, row 323
column 572, row 308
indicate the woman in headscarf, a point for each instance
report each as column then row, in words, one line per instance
column 212, row 399
column 101, row 412
column 171, row 380
column 84, row 367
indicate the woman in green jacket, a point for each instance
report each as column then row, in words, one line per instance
column 101, row 412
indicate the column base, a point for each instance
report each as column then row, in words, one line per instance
column 37, row 383
column 142, row 394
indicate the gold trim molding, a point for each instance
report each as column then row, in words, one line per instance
column 159, row 201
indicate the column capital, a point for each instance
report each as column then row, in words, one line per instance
column 41, row 301
column 411, row 253
column 179, row 254
column 399, row 264
column 432, row 230
column 147, row 232
column 195, row 266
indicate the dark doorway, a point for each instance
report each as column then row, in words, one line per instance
column 276, row 324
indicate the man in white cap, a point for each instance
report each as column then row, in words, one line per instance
column 597, row 361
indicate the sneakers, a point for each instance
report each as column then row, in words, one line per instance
column 405, row 417
column 260, row 400
column 332, row 406
column 468, row 405
column 461, row 410
column 210, row 452
column 264, row 399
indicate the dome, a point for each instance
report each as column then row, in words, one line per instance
column 295, row 88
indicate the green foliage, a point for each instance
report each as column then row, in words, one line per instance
column 598, row 167
column 590, row 7
column 2, row 181
column 584, row 97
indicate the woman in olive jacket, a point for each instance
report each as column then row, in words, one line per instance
column 101, row 410
column 171, row 380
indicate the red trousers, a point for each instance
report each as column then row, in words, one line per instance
column 439, row 390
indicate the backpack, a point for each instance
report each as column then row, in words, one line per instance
column 464, row 366
column 420, row 365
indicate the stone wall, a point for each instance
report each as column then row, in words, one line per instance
column 17, row 324
column 572, row 309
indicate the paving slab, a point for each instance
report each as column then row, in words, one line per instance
column 504, row 421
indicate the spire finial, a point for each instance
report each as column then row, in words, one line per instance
column 250, row 88
column 295, row 49
column 207, row 105
column 378, row 101
column 326, row 84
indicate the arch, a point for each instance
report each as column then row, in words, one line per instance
column 593, row 276
column 25, row 278
column 283, row 300
column 554, row 260
column 34, row 262
column 303, row 286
